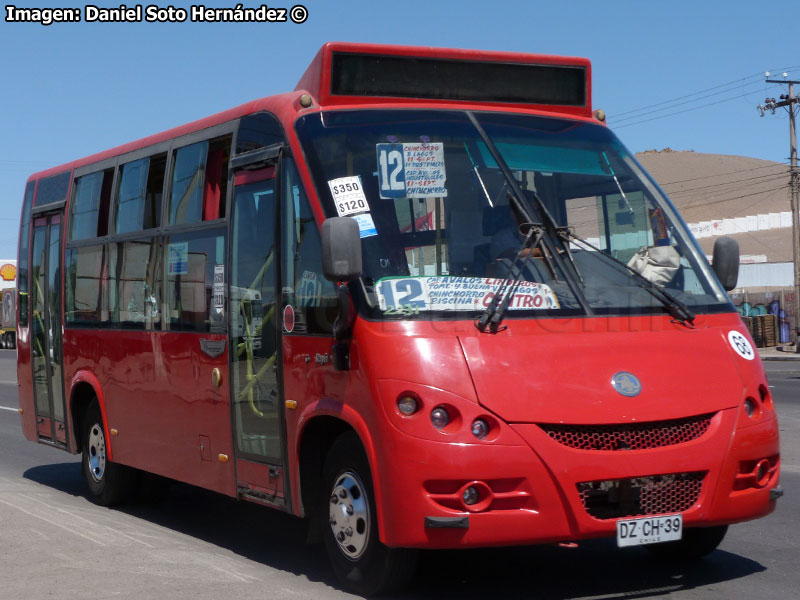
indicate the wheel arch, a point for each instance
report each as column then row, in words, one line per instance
column 84, row 388
column 316, row 436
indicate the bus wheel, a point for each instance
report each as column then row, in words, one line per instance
column 361, row 562
column 696, row 543
column 109, row 483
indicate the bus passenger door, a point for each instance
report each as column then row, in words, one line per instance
column 254, row 339
column 46, row 331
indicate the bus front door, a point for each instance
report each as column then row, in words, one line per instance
column 46, row 331
column 258, row 426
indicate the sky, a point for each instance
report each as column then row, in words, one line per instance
column 686, row 75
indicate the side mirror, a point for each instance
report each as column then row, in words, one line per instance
column 726, row 262
column 341, row 249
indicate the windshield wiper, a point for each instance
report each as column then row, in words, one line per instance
column 677, row 309
column 547, row 225
column 493, row 314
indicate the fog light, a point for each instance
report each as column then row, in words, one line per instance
column 407, row 405
column 480, row 428
column 470, row 496
column 439, row 417
column 749, row 407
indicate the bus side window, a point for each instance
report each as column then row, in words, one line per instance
column 134, row 285
column 304, row 287
column 83, row 285
column 138, row 202
column 90, row 205
column 191, row 261
column 199, row 182
column 22, row 259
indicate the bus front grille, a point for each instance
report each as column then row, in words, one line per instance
column 641, row 496
column 629, row 436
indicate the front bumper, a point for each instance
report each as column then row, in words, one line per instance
column 529, row 493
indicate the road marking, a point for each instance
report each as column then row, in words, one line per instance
column 9, row 382
column 56, row 523
column 9, row 408
column 88, row 522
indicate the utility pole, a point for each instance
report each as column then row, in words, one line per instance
column 790, row 102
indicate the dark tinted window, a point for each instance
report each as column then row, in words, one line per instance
column 22, row 258
column 200, row 182
column 139, row 194
column 90, row 205
column 186, row 201
column 258, row 131
column 52, row 189
column 130, row 195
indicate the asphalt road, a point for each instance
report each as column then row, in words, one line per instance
column 194, row 544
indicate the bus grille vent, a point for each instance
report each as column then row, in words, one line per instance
column 629, row 436
column 641, row 496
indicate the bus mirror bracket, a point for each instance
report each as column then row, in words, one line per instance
column 341, row 262
column 725, row 262
column 343, row 328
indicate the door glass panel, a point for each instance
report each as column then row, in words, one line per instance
column 254, row 334
column 38, row 325
column 54, row 316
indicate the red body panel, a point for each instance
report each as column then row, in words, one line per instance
column 158, row 394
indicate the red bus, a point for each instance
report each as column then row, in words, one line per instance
column 425, row 300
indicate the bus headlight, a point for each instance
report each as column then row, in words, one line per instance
column 439, row 417
column 480, row 429
column 407, row 405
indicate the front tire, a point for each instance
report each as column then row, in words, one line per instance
column 696, row 543
column 359, row 559
column 109, row 483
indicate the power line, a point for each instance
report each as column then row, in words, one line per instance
column 758, row 180
column 675, row 104
column 721, row 200
column 706, row 105
column 759, row 74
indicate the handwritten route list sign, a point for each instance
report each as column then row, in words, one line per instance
column 411, row 170
column 425, row 174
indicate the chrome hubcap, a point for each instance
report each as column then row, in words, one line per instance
column 349, row 515
column 97, row 452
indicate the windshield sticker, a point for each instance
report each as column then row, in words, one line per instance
column 348, row 195
column 414, row 294
column 411, row 170
column 740, row 345
column 366, row 226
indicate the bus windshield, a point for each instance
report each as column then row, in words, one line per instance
column 441, row 229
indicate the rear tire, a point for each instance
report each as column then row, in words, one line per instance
column 696, row 543
column 361, row 562
column 109, row 483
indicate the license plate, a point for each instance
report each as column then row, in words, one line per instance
column 649, row 530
